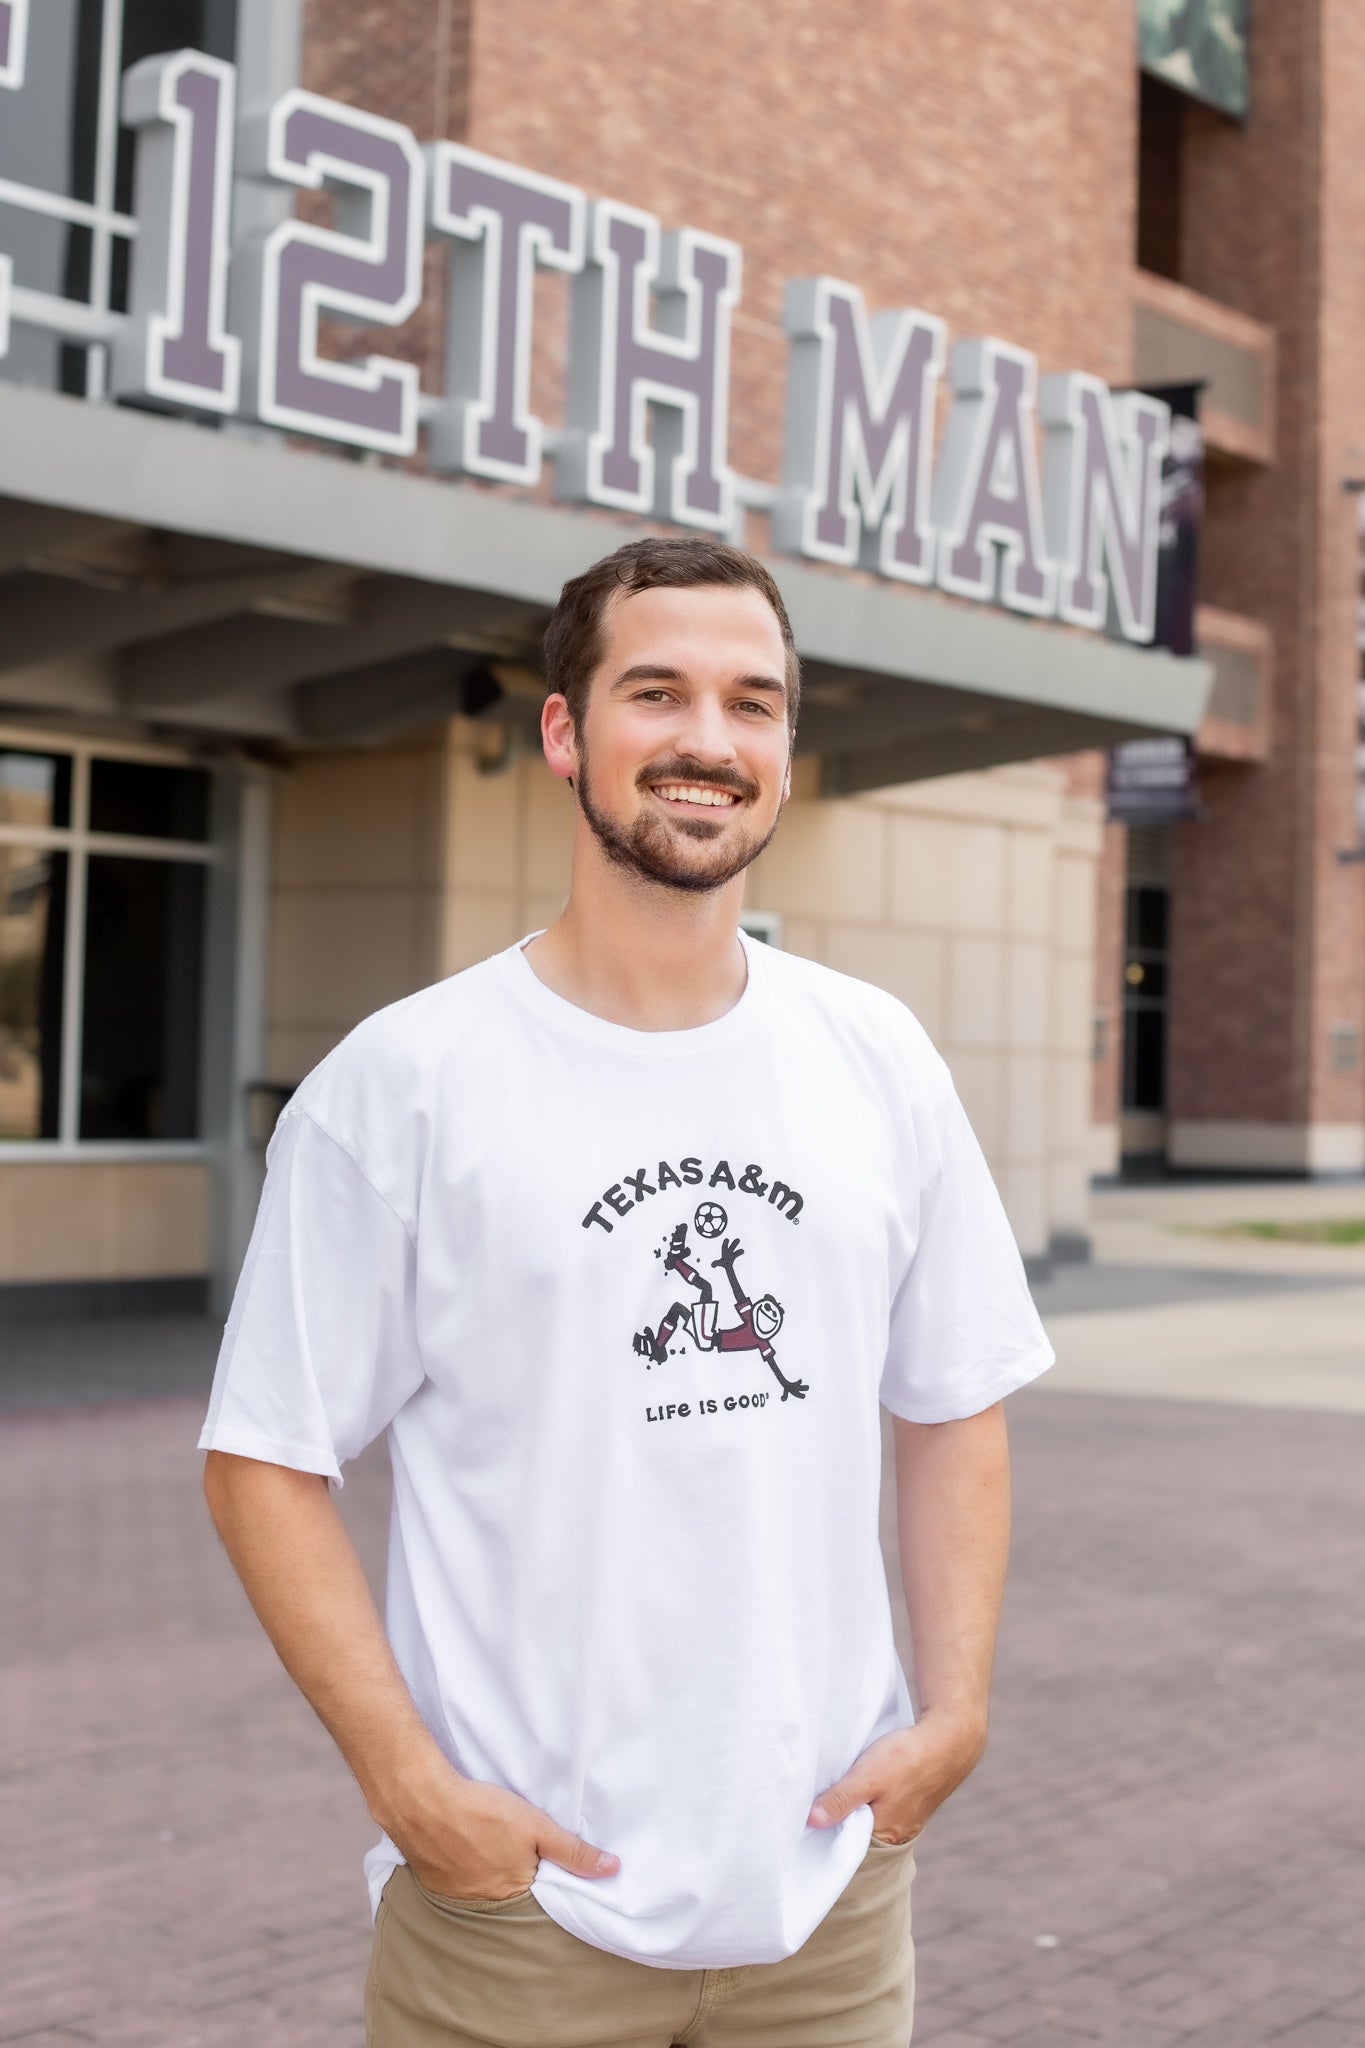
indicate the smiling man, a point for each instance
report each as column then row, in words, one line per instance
column 644, row 1759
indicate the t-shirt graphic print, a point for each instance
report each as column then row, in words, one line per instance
column 696, row 1319
column 627, row 1305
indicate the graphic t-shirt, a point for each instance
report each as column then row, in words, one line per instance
column 626, row 1303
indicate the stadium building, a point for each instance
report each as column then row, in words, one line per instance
column 333, row 339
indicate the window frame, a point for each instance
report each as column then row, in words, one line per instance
column 78, row 842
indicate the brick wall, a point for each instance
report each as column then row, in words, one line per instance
column 1266, row 945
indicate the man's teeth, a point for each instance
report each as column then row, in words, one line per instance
column 692, row 793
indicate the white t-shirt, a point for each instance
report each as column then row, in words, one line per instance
column 626, row 1303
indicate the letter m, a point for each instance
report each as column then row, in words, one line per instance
column 786, row 1199
column 860, row 424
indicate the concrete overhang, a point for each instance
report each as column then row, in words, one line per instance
column 164, row 576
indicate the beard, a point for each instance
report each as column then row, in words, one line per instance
column 675, row 856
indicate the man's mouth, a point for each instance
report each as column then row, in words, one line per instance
column 696, row 793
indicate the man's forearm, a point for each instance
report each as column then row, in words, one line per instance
column 953, row 1518
column 290, row 1548
column 292, row 1553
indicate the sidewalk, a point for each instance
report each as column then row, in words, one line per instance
column 1175, row 1306
column 1165, row 1847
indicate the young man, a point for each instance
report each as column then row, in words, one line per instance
column 638, row 1741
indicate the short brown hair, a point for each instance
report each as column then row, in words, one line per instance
column 573, row 638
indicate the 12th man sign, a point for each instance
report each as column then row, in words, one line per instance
column 232, row 328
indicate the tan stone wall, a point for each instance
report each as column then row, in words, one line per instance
column 972, row 899
column 103, row 1220
column 356, row 902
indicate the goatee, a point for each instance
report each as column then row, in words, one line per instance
column 647, row 849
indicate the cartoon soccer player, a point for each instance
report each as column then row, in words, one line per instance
column 759, row 1321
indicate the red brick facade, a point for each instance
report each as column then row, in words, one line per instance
column 982, row 162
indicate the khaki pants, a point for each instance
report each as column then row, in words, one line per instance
column 450, row 1973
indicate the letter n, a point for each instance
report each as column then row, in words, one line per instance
column 860, row 428
column 620, row 366
column 1102, row 456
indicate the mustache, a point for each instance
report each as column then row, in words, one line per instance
column 678, row 769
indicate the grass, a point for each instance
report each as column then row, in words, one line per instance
column 1319, row 1230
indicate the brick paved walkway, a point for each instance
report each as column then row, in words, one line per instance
column 1164, row 1849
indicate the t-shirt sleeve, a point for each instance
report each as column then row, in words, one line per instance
column 320, row 1349
column 964, row 1330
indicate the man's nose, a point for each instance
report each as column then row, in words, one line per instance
column 705, row 734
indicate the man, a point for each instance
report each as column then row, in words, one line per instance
column 643, row 1757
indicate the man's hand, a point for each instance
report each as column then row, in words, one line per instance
column 467, row 1840
column 905, row 1776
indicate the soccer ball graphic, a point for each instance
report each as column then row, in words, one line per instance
column 710, row 1219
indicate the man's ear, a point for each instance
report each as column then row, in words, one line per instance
column 558, row 737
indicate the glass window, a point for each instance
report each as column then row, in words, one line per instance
column 143, row 976
column 56, row 141
column 35, row 789
column 32, row 947
column 149, row 802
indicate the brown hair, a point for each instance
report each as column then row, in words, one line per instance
column 573, row 638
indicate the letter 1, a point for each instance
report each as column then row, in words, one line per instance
column 595, row 1215
column 860, row 430
column 620, row 366
column 500, row 221
column 367, row 269
column 176, row 349
column 1102, row 456
column 986, row 492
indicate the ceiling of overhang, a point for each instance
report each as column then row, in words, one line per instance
column 174, row 634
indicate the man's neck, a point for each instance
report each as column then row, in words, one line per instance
column 650, row 958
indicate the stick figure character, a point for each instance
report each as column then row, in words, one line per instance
column 759, row 1321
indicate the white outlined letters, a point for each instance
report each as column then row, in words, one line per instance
column 369, row 268
column 1102, row 456
column 176, row 348
column 859, row 434
column 501, row 221
column 620, row 366
column 986, row 492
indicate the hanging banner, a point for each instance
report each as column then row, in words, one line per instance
column 1182, row 519
column 1199, row 46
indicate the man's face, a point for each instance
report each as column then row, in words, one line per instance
column 682, row 762
column 767, row 1316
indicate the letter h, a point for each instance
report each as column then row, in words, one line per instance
column 620, row 365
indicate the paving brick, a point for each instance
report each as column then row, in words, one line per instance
column 218, row 1836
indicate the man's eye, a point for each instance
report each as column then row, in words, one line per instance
column 757, row 704
column 653, row 696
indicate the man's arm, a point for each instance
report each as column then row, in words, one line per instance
column 952, row 1517
column 289, row 1547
